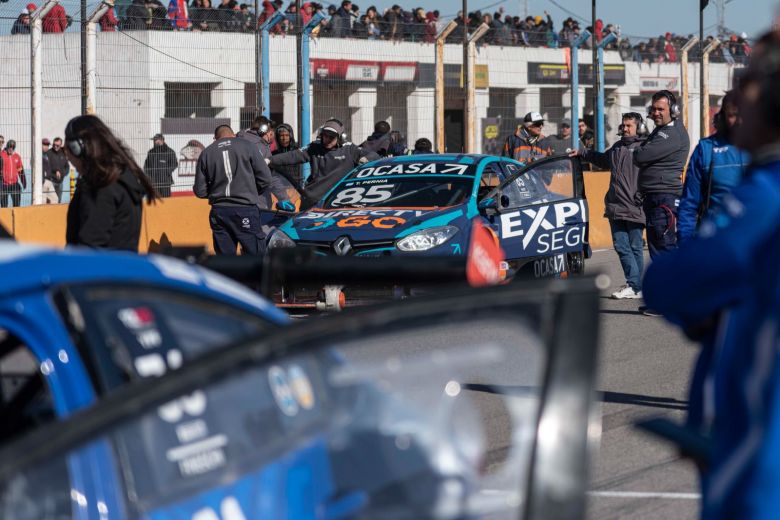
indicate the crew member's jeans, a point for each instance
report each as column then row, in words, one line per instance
column 233, row 225
column 661, row 214
column 628, row 241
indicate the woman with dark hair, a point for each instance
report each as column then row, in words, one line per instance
column 106, row 208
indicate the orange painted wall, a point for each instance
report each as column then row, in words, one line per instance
column 183, row 221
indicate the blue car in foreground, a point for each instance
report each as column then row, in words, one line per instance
column 427, row 205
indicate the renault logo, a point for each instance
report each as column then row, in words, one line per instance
column 342, row 246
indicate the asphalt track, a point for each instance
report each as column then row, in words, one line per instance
column 644, row 372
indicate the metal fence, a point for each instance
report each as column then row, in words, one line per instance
column 183, row 83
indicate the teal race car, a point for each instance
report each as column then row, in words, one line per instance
column 427, row 205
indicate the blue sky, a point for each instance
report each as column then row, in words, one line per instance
column 636, row 17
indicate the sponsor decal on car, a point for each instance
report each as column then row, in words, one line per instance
column 550, row 266
column 553, row 227
column 411, row 169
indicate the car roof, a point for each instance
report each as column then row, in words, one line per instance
column 30, row 268
column 430, row 157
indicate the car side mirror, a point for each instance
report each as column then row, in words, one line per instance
column 488, row 206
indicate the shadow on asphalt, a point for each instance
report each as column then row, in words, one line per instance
column 612, row 311
column 649, row 401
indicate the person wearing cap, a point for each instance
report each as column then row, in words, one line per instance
column 526, row 144
column 422, row 146
column 22, row 23
column 261, row 134
column 49, row 194
column 13, row 174
column 59, row 165
column 561, row 142
column 330, row 160
column 160, row 164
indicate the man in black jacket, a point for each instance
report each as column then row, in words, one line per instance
column 160, row 164
column 621, row 208
column 661, row 160
column 232, row 174
column 285, row 142
column 59, row 167
column 330, row 161
column 379, row 141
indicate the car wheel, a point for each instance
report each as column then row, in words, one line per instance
column 576, row 263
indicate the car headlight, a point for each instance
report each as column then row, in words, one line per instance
column 279, row 240
column 426, row 239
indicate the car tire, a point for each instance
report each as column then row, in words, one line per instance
column 576, row 262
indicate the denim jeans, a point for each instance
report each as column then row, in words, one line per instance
column 627, row 238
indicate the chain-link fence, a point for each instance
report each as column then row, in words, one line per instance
column 183, row 83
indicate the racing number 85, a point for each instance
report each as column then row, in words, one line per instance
column 360, row 195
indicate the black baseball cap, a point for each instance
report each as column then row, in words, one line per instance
column 158, row 136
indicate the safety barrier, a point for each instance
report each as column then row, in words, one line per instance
column 184, row 221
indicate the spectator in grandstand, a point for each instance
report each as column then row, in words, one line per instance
column 341, row 21
column 587, row 137
column 22, row 23
column 285, row 142
column 715, row 168
column 203, row 17
column 160, row 164
column 670, row 52
column 393, row 23
column 422, row 146
column 566, row 36
column 146, row 15
column 108, row 22
column 661, row 160
column 268, row 10
column 227, row 16
column 626, row 50
column 561, row 142
column 56, row 20
column 106, row 208
column 379, row 141
column 13, row 175
column 233, row 176
column 526, row 144
column 330, row 159
column 626, row 217
column 60, row 167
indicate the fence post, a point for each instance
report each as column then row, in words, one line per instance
column 306, row 82
column 575, row 86
column 36, row 85
column 265, row 29
column 439, row 86
column 91, row 53
column 600, row 95
column 705, row 88
column 684, row 79
column 468, row 82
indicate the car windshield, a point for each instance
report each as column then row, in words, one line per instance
column 403, row 192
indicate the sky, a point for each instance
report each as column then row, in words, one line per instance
column 648, row 18
column 637, row 18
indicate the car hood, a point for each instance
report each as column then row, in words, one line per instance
column 370, row 224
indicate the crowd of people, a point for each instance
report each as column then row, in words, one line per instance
column 56, row 169
column 394, row 24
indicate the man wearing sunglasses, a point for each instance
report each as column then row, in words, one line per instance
column 527, row 143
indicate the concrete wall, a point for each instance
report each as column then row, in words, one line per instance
column 184, row 221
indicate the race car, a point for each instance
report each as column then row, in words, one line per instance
column 428, row 204
column 468, row 404
column 75, row 325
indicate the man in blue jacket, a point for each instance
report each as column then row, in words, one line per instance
column 715, row 168
column 723, row 287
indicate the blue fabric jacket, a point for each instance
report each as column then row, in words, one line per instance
column 730, row 271
column 728, row 164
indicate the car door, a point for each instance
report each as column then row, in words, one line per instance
column 467, row 404
column 542, row 213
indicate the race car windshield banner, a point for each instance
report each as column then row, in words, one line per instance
column 413, row 168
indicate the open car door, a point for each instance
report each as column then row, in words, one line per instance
column 471, row 404
column 541, row 216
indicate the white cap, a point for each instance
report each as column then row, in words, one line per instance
column 533, row 117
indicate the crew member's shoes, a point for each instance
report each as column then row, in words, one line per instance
column 647, row 311
column 626, row 293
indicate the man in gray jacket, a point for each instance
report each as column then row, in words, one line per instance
column 661, row 160
column 232, row 174
column 621, row 207
column 330, row 161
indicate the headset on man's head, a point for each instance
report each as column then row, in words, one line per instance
column 340, row 136
column 674, row 108
column 641, row 127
